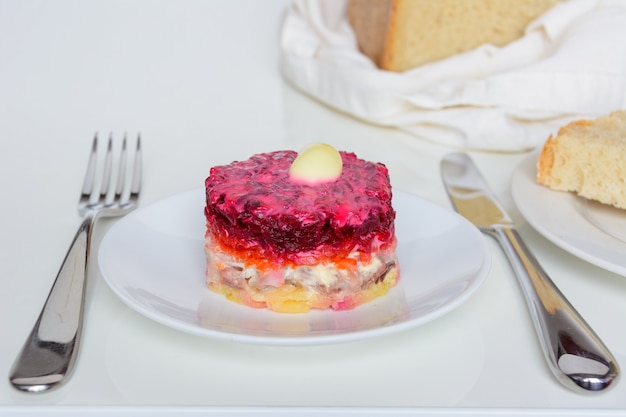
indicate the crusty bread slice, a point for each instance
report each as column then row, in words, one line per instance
column 402, row 34
column 588, row 157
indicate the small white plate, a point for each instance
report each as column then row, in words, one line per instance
column 587, row 230
column 153, row 259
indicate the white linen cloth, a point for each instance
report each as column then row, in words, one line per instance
column 571, row 63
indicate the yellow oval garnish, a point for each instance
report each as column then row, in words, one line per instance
column 317, row 163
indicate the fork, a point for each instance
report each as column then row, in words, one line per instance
column 49, row 354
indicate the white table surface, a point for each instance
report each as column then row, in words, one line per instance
column 200, row 80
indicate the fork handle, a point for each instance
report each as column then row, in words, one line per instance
column 49, row 353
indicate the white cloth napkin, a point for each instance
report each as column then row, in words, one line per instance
column 571, row 63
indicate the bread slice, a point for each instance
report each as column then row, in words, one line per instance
column 588, row 157
column 402, row 34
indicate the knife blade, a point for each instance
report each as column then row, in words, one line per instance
column 574, row 352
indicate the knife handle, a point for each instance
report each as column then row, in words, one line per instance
column 576, row 355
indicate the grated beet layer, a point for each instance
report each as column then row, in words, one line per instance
column 258, row 214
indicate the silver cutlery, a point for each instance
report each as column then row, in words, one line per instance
column 49, row 354
column 575, row 354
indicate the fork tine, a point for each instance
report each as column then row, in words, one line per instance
column 119, row 189
column 106, row 174
column 136, row 178
column 91, row 171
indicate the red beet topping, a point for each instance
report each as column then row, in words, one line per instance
column 257, row 212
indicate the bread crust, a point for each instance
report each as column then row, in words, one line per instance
column 389, row 57
column 369, row 20
column 545, row 161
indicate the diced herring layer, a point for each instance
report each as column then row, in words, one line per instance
column 299, row 288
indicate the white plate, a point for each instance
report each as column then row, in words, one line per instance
column 153, row 259
column 587, row 230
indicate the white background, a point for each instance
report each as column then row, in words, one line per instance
column 201, row 81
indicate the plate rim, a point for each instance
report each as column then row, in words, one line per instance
column 477, row 281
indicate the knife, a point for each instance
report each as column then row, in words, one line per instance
column 575, row 354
